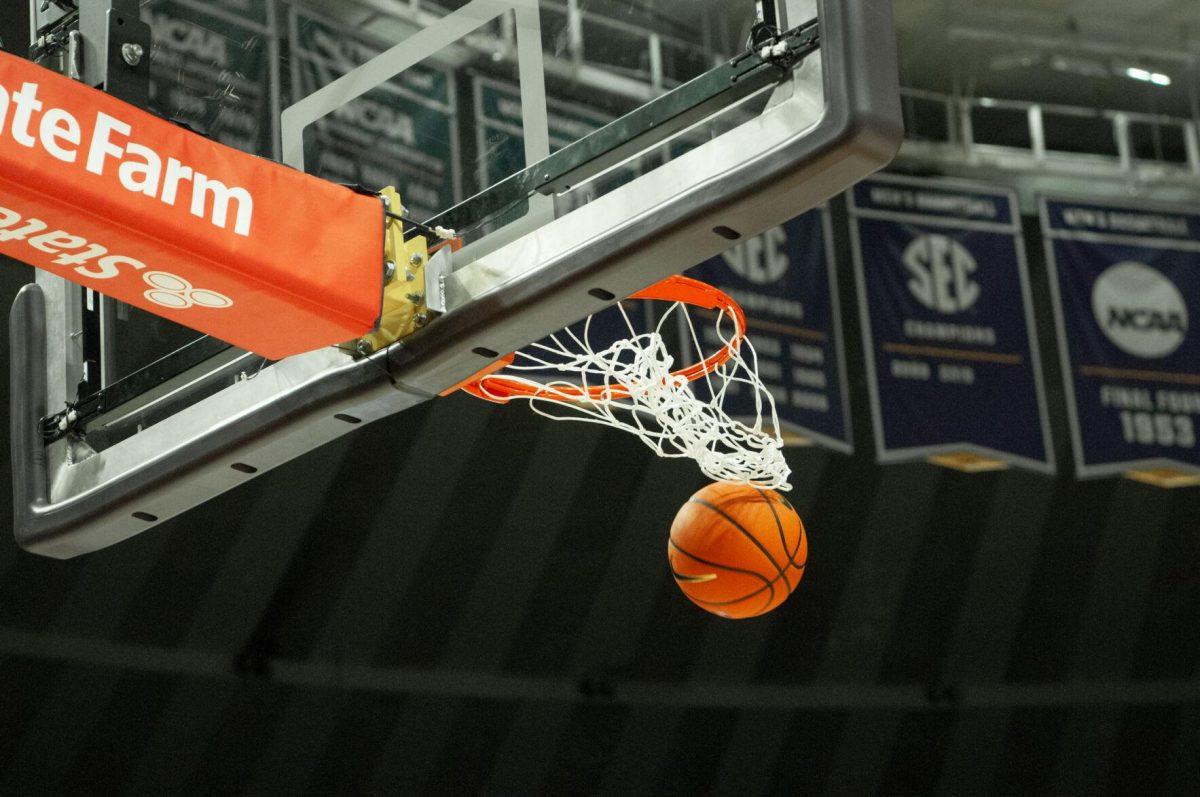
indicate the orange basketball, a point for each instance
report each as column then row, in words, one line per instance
column 737, row 551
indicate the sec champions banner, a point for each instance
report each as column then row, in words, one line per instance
column 1126, row 286
column 783, row 279
column 952, row 357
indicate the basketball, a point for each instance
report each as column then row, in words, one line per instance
column 737, row 551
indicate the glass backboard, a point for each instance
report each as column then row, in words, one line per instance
column 580, row 150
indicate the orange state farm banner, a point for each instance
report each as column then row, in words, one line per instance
column 246, row 250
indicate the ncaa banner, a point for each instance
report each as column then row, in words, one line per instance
column 784, row 280
column 404, row 133
column 500, row 138
column 210, row 68
column 1126, row 288
column 952, row 357
column 499, row 133
column 117, row 200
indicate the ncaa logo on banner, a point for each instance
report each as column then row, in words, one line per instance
column 1140, row 310
column 941, row 270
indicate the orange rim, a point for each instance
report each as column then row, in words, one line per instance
column 684, row 290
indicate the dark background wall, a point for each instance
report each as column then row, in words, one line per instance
column 464, row 598
column 14, row 23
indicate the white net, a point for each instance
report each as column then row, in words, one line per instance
column 630, row 385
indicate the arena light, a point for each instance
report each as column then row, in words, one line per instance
column 1146, row 76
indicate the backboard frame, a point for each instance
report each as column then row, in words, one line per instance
column 831, row 122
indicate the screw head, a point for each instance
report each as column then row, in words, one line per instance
column 132, row 53
column 389, row 270
column 408, row 276
column 364, row 348
column 416, row 259
column 422, row 319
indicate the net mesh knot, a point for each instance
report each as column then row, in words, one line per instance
column 629, row 385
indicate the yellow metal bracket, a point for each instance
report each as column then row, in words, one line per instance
column 404, row 292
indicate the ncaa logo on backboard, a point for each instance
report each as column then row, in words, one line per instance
column 1140, row 310
column 941, row 270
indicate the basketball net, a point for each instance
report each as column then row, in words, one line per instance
column 634, row 385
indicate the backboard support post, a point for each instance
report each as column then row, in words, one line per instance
column 106, row 45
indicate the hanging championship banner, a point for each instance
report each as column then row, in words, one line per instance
column 784, row 280
column 1126, row 286
column 952, row 358
column 498, row 128
column 210, row 69
column 403, row 133
column 500, row 140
